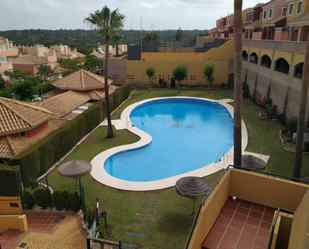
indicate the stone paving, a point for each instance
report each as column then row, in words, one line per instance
column 47, row 230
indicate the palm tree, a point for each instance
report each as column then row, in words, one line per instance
column 237, row 80
column 301, row 116
column 108, row 23
column 117, row 39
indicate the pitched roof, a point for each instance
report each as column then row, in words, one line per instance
column 64, row 103
column 17, row 116
column 12, row 145
column 81, row 80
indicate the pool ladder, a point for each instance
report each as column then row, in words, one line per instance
column 221, row 156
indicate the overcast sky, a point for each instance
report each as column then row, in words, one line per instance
column 155, row 14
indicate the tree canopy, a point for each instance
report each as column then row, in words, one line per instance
column 180, row 73
column 209, row 70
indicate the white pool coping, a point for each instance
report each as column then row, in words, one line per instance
column 99, row 173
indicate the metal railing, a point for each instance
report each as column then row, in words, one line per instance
column 102, row 242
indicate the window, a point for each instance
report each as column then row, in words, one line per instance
column 266, row 61
column 299, row 7
column 192, row 77
column 264, row 14
column 245, row 55
column 130, row 77
column 270, row 13
column 284, row 9
column 282, row 66
column 3, row 59
column 291, row 9
column 298, row 70
column 254, row 58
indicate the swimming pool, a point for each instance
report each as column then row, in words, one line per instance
column 187, row 134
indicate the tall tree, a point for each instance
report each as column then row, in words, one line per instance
column 108, row 23
column 117, row 38
column 45, row 71
column 209, row 70
column 302, row 116
column 92, row 63
column 180, row 73
column 237, row 81
column 179, row 35
column 150, row 73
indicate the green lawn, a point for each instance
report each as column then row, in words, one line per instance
column 168, row 222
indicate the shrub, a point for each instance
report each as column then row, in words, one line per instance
column 28, row 199
column 268, row 101
column 60, row 199
column 9, row 180
column 42, row 197
column 306, row 146
column 292, row 125
column 74, row 201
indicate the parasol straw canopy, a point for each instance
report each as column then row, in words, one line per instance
column 192, row 187
column 252, row 162
column 74, row 169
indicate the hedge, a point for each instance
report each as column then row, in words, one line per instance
column 10, row 184
column 37, row 159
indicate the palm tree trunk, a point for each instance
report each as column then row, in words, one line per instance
column 237, row 81
column 110, row 132
column 302, row 116
column 117, row 50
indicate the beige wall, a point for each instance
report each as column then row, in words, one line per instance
column 165, row 62
column 299, row 238
column 7, row 205
column 210, row 211
column 14, row 222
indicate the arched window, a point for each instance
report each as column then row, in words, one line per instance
column 298, row 70
column 282, row 66
column 254, row 58
column 266, row 61
column 245, row 55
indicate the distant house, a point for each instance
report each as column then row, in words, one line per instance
column 84, row 82
column 34, row 57
column 64, row 51
column 7, row 53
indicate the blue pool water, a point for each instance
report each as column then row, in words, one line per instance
column 187, row 134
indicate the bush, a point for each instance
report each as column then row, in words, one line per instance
column 10, row 184
column 60, row 199
column 42, row 197
column 28, row 199
column 292, row 125
column 74, row 201
column 306, row 146
column 36, row 160
column 268, row 102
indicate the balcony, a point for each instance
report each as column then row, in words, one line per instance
column 242, row 212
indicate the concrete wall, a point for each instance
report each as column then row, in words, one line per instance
column 299, row 238
column 284, row 88
column 165, row 62
column 117, row 69
column 14, row 222
column 10, row 205
column 210, row 211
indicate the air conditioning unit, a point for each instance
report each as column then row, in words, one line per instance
column 23, row 245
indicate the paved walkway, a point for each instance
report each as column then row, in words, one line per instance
column 68, row 235
column 47, row 230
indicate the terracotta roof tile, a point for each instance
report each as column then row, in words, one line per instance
column 64, row 103
column 81, row 80
column 17, row 116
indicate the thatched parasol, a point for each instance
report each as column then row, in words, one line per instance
column 74, row 169
column 252, row 162
column 192, row 187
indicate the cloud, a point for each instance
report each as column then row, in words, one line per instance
column 158, row 14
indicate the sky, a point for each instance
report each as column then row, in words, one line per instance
column 155, row 14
